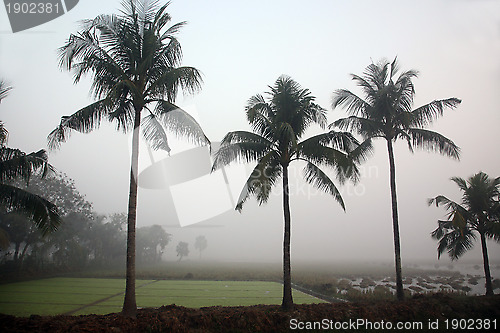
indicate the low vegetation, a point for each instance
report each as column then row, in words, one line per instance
column 418, row 312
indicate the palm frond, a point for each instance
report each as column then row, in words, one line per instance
column 259, row 114
column 4, row 134
column 180, row 122
column 353, row 104
column 455, row 240
column 426, row 114
column 15, row 163
column 362, row 152
column 187, row 78
column 261, row 180
column 241, row 146
column 84, row 121
column 441, row 200
column 43, row 213
column 433, row 141
column 461, row 183
column 367, row 128
column 4, row 90
column 334, row 149
column 154, row 134
column 316, row 177
column 83, row 53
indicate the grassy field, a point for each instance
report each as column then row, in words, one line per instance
column 78, row 296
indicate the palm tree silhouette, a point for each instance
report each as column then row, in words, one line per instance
column 278, row 124
column 479, row 212
column 134, row 59
column 386, row 112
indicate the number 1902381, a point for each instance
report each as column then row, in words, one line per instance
column 471, row 324
column 33, row 8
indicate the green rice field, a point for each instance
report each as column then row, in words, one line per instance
column 77, row 296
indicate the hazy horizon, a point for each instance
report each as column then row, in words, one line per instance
column 241, row 48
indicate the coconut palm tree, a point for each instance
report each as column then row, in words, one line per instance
column 478, row 213
column 134, row 59
column 386, row 112
column 15, row 164
column 278, row 124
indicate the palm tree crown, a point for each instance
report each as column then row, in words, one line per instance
column 278, row 124
column 134, row 61
column 386, row 111
column 478, row 213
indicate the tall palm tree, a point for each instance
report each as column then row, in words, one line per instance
column 278, row 124
column 134, row 59
column 386, row 112
column 478, row 213
column 15, row 164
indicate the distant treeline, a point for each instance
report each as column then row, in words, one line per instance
column 84, row 239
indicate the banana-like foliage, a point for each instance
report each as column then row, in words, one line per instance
column 477, row 214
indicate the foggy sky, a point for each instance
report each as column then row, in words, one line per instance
column 241, row 48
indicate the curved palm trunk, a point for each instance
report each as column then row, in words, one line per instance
column 287, row 277
column 486, row 264
column 129, row 303
column 395, row 223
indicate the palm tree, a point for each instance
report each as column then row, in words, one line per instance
column 477, row 213
column 386, row 112
column 278, row 124
column 134, row 59
column 15, row 164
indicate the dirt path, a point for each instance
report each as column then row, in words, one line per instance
column 69, row 313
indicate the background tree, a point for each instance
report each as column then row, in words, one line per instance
column 21, row 235
column 386, row 112
column 108, row 240
column 66, row 247
column 134, row 59
column 278, row 125
column 151, row 242
column 182, row 250
column 200, row 244
column 478, row 213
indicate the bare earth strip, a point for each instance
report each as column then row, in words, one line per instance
column 103, row 300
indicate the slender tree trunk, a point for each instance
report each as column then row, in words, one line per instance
column 486, row 264
column 129, row 303
column 23, row 254
column 287, row 303
column 395, row 223
column 16, row 251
